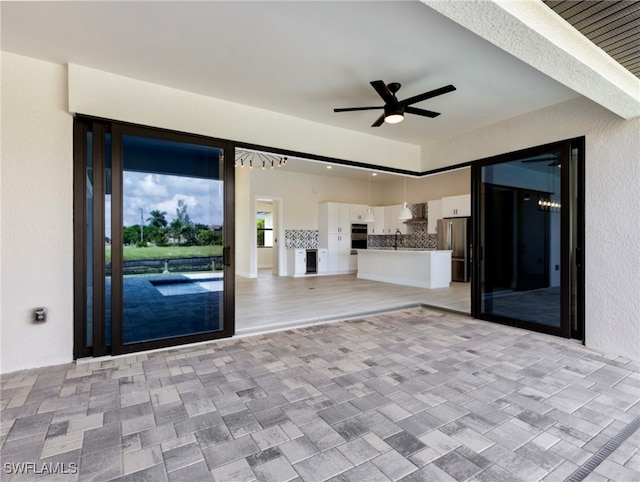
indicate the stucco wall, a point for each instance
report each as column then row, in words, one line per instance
column 612, row 206
column 36, row 251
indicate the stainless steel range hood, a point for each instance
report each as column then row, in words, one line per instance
column 419, row 211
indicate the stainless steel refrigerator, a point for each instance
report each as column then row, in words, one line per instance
column 455, row 234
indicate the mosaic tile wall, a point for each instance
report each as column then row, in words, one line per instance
column 418, row 238
column 301, row 238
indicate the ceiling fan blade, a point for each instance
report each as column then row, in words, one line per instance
column 383, row 91
column 422, row 112
column 351, row 109
column 428, row 95
column 379, row 121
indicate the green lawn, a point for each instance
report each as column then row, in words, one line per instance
column 165, row 252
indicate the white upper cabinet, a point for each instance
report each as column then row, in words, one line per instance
column 393, row 222
column 358, row 212
column 434, row 212
column 335, row 218
column 378, row 226
column 387, row 221
column 456, row 206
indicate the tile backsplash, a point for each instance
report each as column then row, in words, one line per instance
column 418, row 238
column 301, row 238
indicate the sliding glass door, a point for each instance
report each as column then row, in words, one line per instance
column 156, row 267
column 527, row 220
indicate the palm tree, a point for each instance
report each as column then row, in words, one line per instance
column 157, row 218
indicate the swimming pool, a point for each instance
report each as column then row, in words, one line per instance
column 187, row 286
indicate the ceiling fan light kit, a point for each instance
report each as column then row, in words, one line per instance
column 393, row 114
column 395, row 109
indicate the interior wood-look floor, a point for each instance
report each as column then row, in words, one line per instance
column 275, row 302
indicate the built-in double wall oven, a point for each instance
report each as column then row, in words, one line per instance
column 358, row 236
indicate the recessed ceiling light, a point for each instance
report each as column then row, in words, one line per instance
column 329, row 167
column 374, row 173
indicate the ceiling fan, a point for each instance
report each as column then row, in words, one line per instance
column 395, row 109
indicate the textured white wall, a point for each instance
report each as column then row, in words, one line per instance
column 612, row 206
column 37, row 215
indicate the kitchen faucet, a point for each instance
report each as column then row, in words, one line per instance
column 395, row 243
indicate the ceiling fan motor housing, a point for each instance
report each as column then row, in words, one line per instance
column 394, row 87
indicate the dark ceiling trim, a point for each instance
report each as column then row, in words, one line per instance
column 346, row 163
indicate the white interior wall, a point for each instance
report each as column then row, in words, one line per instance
column 429, row 188
column 301, row 193
column 612, row 227
column 36, row 192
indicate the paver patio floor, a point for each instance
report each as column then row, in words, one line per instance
column 410, row 395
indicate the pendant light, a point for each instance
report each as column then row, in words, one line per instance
column 405, row 212
column 369, row 217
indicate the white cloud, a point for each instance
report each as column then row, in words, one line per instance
column 149, row 192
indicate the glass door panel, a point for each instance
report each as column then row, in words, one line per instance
column 153, row 265
column 520, row 233
column 172, row 281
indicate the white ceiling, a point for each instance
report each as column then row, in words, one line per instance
column 297, row 58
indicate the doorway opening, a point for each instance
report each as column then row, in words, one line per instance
column 268, row 251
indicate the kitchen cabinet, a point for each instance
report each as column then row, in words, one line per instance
column 323, row 261
column 456, row 206
column 335, row 218
column 297, row 262
column 358, row 212
column 338, row 253
column 386, row 220
column 392, row 222
column 334, row 235
column 378, row 226
column 434, row 212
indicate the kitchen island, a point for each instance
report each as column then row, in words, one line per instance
column 427, row 268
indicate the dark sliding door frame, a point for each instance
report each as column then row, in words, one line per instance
column 98, row 127
column 571, row 258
